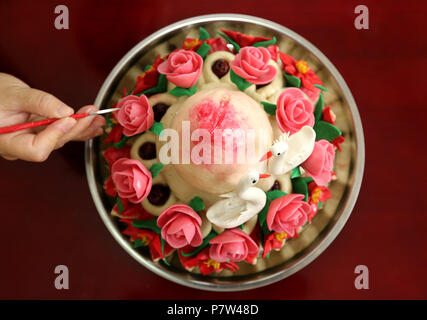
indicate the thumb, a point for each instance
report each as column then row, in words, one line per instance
column 39, row 102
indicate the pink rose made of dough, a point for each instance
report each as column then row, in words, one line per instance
column 135, row 114
column 182, row 68
column 132, row 180
column 180, row 226
column 287, row 213
column 251, row 63
column 294, row 111
column 232, row 245
column 321, row 162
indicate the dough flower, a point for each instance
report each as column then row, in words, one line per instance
column 232, row 245
column 294, row 111
column 132, row 180
column 180, row 226
column 301, row 70
column 288, row 213
column 321, row 162
column 251, row 63
column 182, row 68
column 135, row 114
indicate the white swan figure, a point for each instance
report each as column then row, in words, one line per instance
column 288, row 152
column 241, row 205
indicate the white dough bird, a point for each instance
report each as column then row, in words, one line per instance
column 288, row 152
column 241, row 205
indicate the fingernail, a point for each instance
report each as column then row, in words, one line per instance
column 66, row 124
column 89, row 109
column 64, row 111
column 93, row 109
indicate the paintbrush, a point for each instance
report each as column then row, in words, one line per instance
column 45, row 122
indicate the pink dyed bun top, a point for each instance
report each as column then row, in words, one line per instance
column 214, row 118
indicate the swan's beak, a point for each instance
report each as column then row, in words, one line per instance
column 264, row 175
column 268, row 155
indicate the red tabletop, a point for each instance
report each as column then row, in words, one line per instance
column 48, row 217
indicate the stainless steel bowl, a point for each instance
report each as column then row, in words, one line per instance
column 317, row 236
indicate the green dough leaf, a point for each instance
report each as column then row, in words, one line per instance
column 157, row 128
column 241, row 83
column 262, row 215
column 265, row 43
column 326, row 130
column 205, row 242
column 147, row 224
column 300, row 185
column 241, row 227
column 162, row 241
column 155, row 169
column 203, row 50
column 273, row 195
column 270, row 108
column 292, row 81
column 108, row 121
column 137, row 243
column 179, row 92
column 197, row 204
column 162, row 85
column 319, row 108
column 321, row 87
column 120, row 206
column 296, row 172
column 204, row 35
column 265, row 229
column 121, row 143
column 235, row 45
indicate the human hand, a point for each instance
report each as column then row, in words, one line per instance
column 19, row 103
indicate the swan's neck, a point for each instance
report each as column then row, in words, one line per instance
column 248, row 194
column 277, row 164
column 243, row 192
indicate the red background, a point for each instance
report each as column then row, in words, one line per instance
column 48, row 217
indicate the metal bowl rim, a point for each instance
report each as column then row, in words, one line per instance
column 336, row 228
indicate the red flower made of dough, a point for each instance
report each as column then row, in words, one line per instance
column 148, row 238
column 242, row 39
column 204, row 262
column 149, row 77
column 216, row 44
column 301, row 70
column 274, row 240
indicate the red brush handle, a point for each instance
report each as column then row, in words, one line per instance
column 34, row 124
